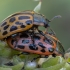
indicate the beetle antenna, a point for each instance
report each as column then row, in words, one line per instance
column 58, row 16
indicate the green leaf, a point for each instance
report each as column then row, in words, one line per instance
column 56, row 67
column 19, row 66
column 5, row 52
column 1, row 68
column 52, row 61
column 16, row 60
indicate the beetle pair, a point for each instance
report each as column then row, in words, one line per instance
column 20, row 23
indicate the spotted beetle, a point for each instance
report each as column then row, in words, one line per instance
column 22, row 21
column 44, row 46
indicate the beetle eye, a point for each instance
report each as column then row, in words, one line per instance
column 46, row 23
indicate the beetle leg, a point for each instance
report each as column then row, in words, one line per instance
column 45, row 36
column 32, row 38
column 42, row 33
column 32, row 33
column 51, row 33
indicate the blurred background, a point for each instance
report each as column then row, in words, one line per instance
column 50, row 8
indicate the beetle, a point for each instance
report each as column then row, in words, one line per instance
column 43, row 47
column 22, row 21
column 23, row 43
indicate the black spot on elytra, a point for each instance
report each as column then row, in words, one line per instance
column 5, row 32
column 37, row 38
column 13, row 28
column 12, row 19
column 43, row 50
column 5, row 27
column 22, row 26
column 4, row 23
column 25, row 41
column 23, row 17
column 24, row 35
column 51, row 49
column 41, row 45
column 18, row 23
column 28, row 22
column 21, row 46
column 33, row 47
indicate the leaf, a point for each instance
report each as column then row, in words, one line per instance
column 1, row 68
column 52, row 62
column 19, row 66
column 56, row 67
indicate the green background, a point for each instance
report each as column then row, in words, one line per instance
column 50, row 8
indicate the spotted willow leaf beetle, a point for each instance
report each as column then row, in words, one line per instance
column 44, row 47
column 22, row 21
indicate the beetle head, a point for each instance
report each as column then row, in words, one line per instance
column 40, row 20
